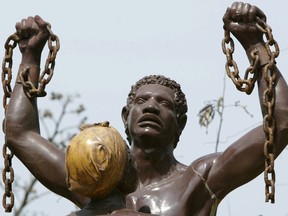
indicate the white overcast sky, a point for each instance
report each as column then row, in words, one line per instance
column 106, row 46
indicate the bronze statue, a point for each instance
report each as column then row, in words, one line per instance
column 154, row 118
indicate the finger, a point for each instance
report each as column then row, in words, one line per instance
column 233, row 10
column 41, row 23
column 43, row 27
column 260, row 14
column 252, row 13
column 226, row 18
column 239, row 11
column 23, row 28
column 31, row 26
column 245, row 12
column 18, row 28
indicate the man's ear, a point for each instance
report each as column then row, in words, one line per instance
column 124, row 115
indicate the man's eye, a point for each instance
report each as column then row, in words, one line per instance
column 139, row 101
column 165, row 103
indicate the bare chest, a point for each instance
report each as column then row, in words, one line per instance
column 177, row 196
column 156, row 198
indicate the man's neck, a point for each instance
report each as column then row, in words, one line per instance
column 153, row 165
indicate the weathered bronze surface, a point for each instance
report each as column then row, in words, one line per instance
column 154, row 117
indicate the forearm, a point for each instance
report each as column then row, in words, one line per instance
column 279, row 112
column 22, row 129
column 23, row 138
column 245, row 159
column 22, row 112
column 267, row 95
column 43, row 159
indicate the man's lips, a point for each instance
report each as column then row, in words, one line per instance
column 148, row 119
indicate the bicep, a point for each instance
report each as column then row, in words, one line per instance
column 238, row 164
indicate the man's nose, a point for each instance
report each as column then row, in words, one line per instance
column 151, row 107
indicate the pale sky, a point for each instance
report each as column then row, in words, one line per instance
column 106, row 46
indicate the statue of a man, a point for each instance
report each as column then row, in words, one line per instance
column 154, row 118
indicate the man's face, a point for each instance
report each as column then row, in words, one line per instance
column 153, row 114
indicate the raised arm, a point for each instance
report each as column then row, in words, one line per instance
column 42, row 158
column 244, row 160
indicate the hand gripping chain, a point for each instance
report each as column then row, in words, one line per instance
column 31, row 91
column 247, row 85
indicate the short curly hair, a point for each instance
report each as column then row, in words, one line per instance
column 179, row 96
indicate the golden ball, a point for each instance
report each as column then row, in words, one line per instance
column 95, row 160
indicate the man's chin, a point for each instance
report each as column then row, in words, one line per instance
column 149, row 131
column 146, row 133
column 149, row 125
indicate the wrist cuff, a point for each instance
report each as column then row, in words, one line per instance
column 32, row 72
column 263, row 55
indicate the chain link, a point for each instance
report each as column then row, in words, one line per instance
column 8, row 178
column 10, row 44
column 31, row 91
column 247, row 85
column 269, row 123
column 8, row 172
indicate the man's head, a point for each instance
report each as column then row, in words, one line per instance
column 179, row 100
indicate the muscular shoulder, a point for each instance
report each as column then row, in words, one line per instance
column 204, row 164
